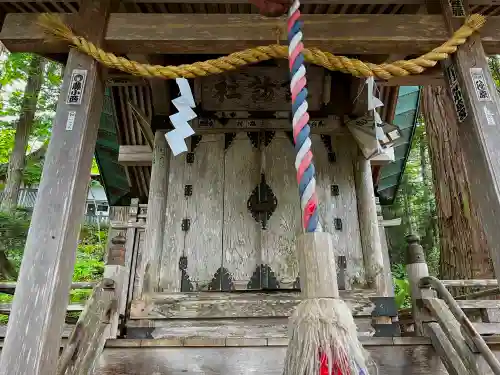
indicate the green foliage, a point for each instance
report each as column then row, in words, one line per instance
column 13, row 230
column 14, row 71
column 89, row 257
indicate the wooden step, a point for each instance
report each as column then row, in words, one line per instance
column 397, row 356
column 261, row 330
column 205, row 305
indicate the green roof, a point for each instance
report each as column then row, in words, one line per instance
column 405, row 117
column 113, row 175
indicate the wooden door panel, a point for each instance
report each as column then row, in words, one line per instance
column 173, row 240
column 241, row 238
column 279, row 238
column 203, row 239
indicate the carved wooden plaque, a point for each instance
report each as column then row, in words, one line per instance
column 256, row 88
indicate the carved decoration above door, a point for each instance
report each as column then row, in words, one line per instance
column 256, row 88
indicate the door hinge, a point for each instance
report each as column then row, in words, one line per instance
column 337, row 222
column 188, row 190
column 186, row 223
column 335, row 190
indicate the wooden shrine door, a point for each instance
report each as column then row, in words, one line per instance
column 233, row 212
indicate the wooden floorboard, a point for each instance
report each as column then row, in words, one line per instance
column 390, row 360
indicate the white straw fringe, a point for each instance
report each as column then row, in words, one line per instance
column 324, row 325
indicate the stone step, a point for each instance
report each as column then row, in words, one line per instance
column 203, row 305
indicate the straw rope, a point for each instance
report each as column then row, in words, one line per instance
column 54, row 26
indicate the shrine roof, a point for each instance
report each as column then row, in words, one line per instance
column 405, row 117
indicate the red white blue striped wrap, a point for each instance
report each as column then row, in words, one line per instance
column 301, row 130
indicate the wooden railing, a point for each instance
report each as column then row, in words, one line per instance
column 90, row 333
column 459, row 330
column 10, row 287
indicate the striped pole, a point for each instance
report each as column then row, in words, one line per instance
column 301, row 130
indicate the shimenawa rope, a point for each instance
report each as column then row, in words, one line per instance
column 54, row 26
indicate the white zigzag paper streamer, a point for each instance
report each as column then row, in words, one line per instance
column 373, row 104
column 184, row 103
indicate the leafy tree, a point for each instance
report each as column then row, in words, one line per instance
column 23, row 126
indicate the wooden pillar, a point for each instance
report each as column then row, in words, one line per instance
column 385, row 251
column 416, row 267
column 155, row 228
column 34, row 333
column 317, row 263
column 116, row 267
column 476, row 103
column 369, row 227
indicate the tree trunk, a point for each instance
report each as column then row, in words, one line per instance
column 428, row 241
column 464, row 251
column 23, row 130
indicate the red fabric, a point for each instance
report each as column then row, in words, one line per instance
column 272, row 8
column 323, row 370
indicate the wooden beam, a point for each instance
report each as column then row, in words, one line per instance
column 329, row 2
column 477, row 105
column 219, row 33
column 135, row 156
column 49, row 256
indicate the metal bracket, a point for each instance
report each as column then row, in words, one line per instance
column 262, row 202
column 384, row 306
column 183, row 262
column 387, row 330
column 335, row 190
column 337, row 222
column 261, row 138
column 186, row 224
column 341, row 267
column 327, row 141
column 228, row 140
column 222, row 281
column 188, row 190
column 263, row 278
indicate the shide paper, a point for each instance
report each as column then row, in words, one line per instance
column 184, row 103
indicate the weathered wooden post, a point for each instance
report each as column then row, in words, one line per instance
column 33, row 336
column 416, row 267
column 369, row 227
column 157, row 205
